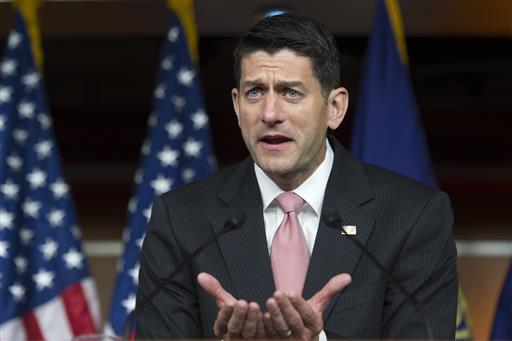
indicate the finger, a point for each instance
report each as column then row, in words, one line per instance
column 310, row 319
column 212, row 286
column 220, row 327
column 251, row 321
column 269, row 326
column 236, row 323
column 322, row 298
column 278, row 320
column 290, row 314
column 260, row 328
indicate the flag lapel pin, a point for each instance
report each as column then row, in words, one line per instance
column 349, row 229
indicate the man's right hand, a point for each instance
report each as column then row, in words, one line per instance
column 236, row 319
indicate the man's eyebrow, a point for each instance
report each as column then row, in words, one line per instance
column 280, row 84
column 252, row 83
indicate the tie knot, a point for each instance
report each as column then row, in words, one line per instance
column 289, row 201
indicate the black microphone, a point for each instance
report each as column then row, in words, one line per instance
column 333, row 220
column 233, row 222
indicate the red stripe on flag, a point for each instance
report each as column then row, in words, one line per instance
column 32, row 327
column 77, row 310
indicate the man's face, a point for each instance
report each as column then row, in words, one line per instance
column 283, row 115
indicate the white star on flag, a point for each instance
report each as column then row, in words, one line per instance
column 161, row 184
column 139, row 176
column 14, row 39
column 45, row 120
column 160, row 91
column 26, row 109
column 6, row 219
column 167, row 63
column 173, row 34
column 174, row 129
column 56, row 217
column 132, row 205
column 17, row 291
column 15, row 162
column 2, row 122
column 37, row 178
column 140, row 241
column 43, row 149
column 10, row 189
column 8, row 67
column 31, row 208
column 3, row 248
column 43, row 279
column 186, row 76
column 21, row 264
column 147, row 212
column 188, row 174
column 192, row 147
column 134, row 273
column 129, row 303
column 200, row 119
column 26, row 235
column 76, row 232
column 48, row 249
column 179, row 102
column 59, row 188
column 31, row 80
column 20, row 135
column 5, row 94
column 168, row 157
column 73, row 259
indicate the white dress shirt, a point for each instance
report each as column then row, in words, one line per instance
column 312, row 191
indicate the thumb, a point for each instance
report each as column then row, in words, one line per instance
column 322, row 298
column 212, row 286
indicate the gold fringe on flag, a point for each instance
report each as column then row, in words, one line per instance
column 29, row 11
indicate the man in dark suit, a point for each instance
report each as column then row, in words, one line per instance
column 287, row 96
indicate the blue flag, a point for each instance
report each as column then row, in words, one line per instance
column 45, row 287
column 178, row 150
column 387, row 128
column 502, row 329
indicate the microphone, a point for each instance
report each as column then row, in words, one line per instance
column 233, row 222
column 333, row 220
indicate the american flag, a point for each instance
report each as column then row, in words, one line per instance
column 46, row 291
column 177, row 150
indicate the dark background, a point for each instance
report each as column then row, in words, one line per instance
column 100, row 64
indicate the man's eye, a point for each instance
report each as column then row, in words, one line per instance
column 292, row 93
column 253, row 93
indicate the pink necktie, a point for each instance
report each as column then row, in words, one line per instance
column 289, row 253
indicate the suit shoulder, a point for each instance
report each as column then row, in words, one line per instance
column 385, row 182
column 202, row 189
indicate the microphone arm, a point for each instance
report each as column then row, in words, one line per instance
column 333, row 220
column 234, row 222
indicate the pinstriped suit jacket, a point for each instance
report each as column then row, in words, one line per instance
column 406, row 225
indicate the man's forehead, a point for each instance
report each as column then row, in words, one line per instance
column 284, row 64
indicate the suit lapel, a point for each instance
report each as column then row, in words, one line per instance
column 333, row 253
column 245, row 250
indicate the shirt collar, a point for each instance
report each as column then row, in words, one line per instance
column 312, row 190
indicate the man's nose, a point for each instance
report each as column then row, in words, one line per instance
column 271, row 113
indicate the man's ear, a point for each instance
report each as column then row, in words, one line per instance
column 337, row 107
column 234, row 98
